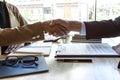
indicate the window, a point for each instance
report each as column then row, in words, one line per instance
column 82, row 10
column 47, row 10
column 107, row 9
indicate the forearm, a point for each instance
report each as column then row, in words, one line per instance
column 75, row 26
column 18, row 35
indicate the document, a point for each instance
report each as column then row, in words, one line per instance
column 85, row 50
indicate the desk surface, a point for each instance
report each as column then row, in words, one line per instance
column 98, row 69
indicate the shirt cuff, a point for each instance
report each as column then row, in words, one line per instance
column 83, row 29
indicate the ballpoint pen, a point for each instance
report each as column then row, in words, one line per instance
column 55, row 40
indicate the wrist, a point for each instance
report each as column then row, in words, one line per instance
column 75, row 25
column 45, row 25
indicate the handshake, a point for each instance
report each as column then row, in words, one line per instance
column 35, row 31
column 59, row 27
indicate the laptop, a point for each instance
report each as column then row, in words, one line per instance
column 84, row 50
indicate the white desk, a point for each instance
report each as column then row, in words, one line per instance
column 99, row 69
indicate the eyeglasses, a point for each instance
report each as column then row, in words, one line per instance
column 24, row 61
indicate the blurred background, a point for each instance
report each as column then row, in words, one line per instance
column 81, row 10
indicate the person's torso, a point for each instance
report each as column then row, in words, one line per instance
column 4, row 16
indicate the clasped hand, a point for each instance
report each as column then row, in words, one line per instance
column 56, row 27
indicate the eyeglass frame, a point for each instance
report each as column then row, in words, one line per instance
column 19, row 59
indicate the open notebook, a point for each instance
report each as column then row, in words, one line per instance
column 79, row 50
column 36, row 48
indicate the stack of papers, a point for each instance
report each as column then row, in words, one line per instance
column 82, row 39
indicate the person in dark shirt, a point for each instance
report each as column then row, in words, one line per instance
column 94, row 29
column 59, row 27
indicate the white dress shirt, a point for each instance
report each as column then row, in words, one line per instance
column 83, row 30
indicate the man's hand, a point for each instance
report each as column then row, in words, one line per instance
column 117, row 48
column 56, row 27
column 59, row 27
column 67, row 25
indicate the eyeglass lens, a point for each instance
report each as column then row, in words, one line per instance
column 29, row 60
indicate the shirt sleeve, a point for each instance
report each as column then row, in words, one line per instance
column 101, row 29
column 83, row 29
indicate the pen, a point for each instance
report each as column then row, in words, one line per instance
column 55, row 40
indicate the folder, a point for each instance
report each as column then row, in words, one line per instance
column 8, row 71
column 84, row 50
